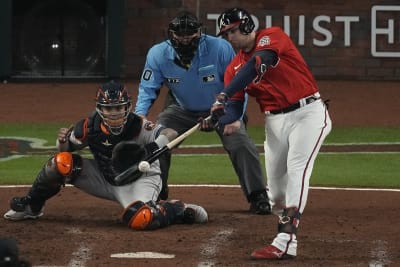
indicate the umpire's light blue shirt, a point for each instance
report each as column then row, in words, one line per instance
column 194, row 88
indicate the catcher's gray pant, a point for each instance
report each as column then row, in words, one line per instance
column 241, row 149
column 91, row 181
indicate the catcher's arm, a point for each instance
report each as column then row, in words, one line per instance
column 63, row 136
column 74, row 137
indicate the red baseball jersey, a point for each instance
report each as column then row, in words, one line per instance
column 281, row 85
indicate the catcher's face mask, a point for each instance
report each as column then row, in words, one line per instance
column 113, row 105
column 114, row 117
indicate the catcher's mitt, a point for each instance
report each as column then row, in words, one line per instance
column 126, row 154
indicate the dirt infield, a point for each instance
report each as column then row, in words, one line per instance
column 338, row 227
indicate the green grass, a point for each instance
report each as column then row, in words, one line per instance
column 44, row 131
column 361, row 170
column 343, row 170
column 347, row 170
column 337, row 135
column 22, row 170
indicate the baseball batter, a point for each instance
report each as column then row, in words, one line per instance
column 111, row 126
column 270, row 68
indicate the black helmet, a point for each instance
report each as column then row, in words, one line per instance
column 185, row 24
column 113, row 103
column 235, row 17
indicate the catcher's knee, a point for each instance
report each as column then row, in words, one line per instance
column 289, row 221
column 151, row 215
column 65, row 165
column 59, row 169
column 139, row 216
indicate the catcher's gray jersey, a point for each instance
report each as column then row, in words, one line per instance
column 98, row 173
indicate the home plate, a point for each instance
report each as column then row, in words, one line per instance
column 143, row 255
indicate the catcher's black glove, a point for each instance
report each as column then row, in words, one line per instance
column 128, row 153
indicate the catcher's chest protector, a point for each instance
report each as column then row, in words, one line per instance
column 102, row 143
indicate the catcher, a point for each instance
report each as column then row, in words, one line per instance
column 118, row 139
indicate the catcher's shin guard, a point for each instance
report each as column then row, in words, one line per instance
column 48, row 183
column 138, row 215
column 66, row 164
column 150, row 215
column 289, row 221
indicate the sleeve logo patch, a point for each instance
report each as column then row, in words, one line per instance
column 265, row 40
column 209, row 78
column 173, row 80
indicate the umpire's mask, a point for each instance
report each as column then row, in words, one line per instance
column 184, row 32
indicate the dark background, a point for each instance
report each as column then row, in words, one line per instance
column 110, row 38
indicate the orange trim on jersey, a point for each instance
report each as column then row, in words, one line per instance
column 104, row 129
column 84, row 130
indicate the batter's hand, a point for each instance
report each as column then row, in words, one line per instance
column 217, row 111
column 221, row 98
column 206, row 125
column 220, row 102
column 231, row 128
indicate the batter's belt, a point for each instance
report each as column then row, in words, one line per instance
column 301, row 103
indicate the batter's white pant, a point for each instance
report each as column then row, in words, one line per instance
column 292, row 143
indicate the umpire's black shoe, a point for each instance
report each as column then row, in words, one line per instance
column 259, row 203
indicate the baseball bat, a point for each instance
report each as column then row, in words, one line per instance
column 133, row 172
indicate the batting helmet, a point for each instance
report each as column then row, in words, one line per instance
column 113, row 103
column 235, row 17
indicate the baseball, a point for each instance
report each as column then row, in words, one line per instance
column 144, row 166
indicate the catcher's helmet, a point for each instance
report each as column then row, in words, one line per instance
column 182, row 32
column 113, row 103
column 235, row 17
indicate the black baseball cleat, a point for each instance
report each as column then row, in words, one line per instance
column 259, row 203
column 194, row 214
column 22, row 209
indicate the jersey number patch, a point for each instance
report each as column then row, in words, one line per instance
column 147, row 75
